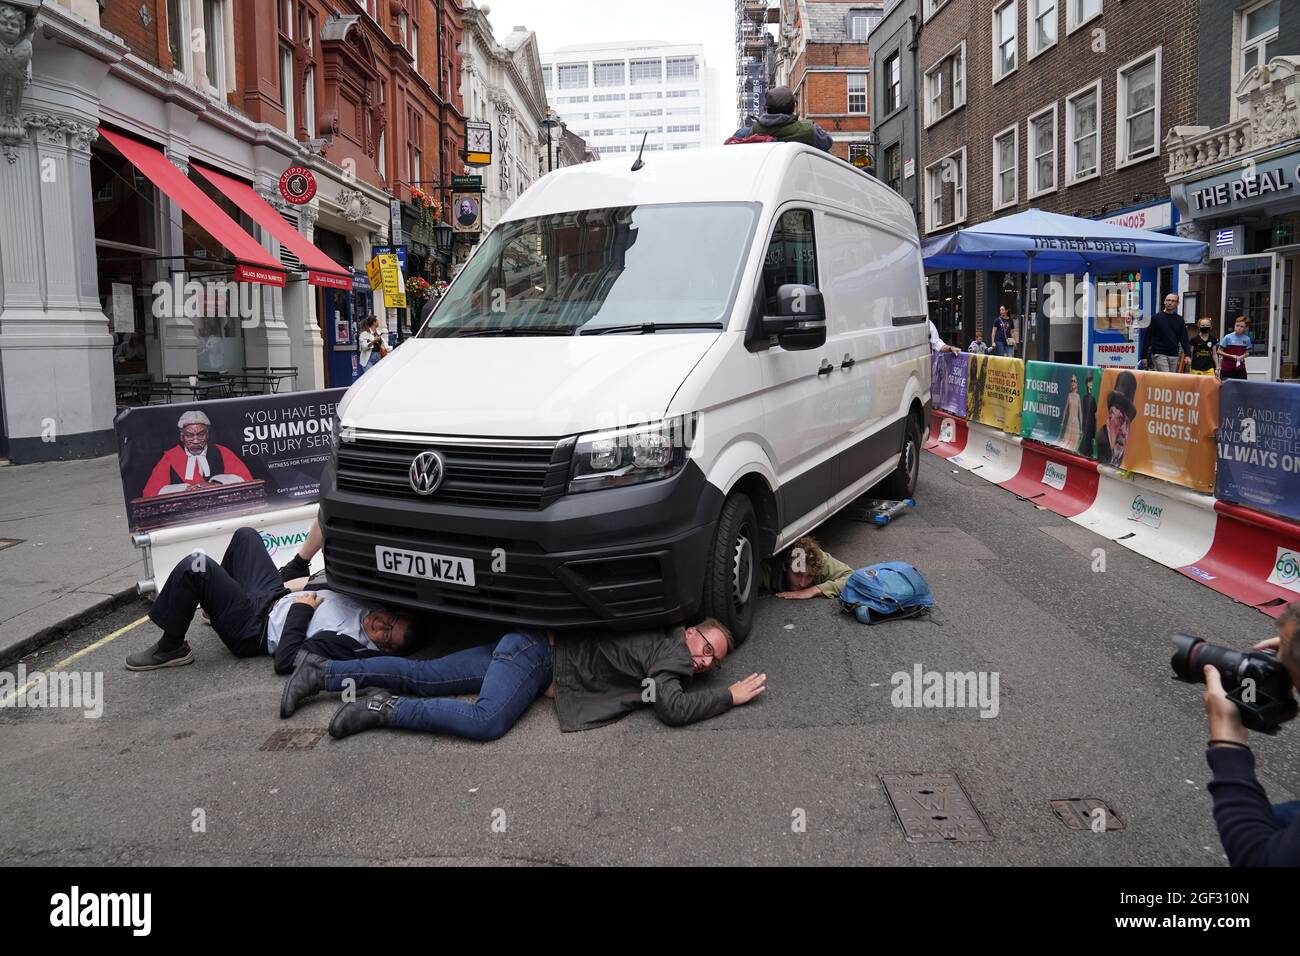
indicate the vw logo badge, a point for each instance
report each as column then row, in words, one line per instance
column 426, row 472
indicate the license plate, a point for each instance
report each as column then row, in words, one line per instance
column 443, row 568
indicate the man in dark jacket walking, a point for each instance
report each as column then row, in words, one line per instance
column 594, row 679
column 1166, row 338
column 778, row 121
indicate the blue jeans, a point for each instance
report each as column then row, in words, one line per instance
column 1286, row 813
column 507, row 678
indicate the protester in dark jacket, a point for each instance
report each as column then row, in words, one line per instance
column 1253, row 831
column 778, row 121
column 594, row 678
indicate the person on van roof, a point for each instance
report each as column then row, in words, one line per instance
column 594, row 679
column 779, row 122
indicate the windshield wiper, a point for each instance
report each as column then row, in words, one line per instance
column 504, row 330
column 645, row 327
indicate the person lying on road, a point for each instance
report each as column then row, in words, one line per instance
column 593, row 678
column 805, row 571
column 255, row 613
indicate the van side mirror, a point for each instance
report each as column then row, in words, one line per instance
column 800, row 320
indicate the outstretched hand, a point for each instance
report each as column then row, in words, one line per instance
column 1225, row 718
column 743, row 691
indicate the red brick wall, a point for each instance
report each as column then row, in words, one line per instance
column 149, row 43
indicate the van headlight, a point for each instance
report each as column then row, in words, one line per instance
column 631, row 455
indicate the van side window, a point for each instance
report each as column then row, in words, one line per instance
column 791, row 255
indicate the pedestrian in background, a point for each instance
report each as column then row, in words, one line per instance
column 1233, row 350
column 1004, row 328
column 1205, row 350
column 978, row 346
column 1166, row 338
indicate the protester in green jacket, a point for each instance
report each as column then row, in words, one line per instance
column 779, row 121
column 805, row 571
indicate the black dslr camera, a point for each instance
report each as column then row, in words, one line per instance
column 1256, row 681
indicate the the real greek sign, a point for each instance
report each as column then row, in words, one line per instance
column 1245, row 186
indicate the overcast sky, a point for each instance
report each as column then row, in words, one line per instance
column 559, row 23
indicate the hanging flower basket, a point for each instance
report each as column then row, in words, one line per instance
column 429, row 208
column 418, row 288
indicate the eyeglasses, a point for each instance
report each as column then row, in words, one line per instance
column 715, row 664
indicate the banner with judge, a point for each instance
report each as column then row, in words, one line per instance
column 199, row 461
column 1259, row 446
column 1159, row 424
column 995, row 391
column 948, row 378
column 1060, row 406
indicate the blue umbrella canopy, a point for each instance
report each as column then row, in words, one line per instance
column 1059, row 244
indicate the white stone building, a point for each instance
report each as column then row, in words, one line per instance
column 613, row 94
column 502, row 85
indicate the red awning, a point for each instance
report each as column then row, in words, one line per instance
column 255, row 263
column 322, row 270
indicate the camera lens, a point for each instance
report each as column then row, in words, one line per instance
column 1191, row 654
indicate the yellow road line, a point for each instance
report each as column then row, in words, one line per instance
column 14, row 695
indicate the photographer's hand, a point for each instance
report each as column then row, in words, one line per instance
column 1272, row 644
column 1224, row 717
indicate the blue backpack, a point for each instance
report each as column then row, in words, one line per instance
column 889, row 591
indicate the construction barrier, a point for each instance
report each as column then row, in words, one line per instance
column 948, row 435
column 991, row 454
column 1169, row 525
column 1254, row 559
column 1054, row 479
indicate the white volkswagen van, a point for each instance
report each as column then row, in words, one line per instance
column 643, row 382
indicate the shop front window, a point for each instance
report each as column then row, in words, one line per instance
column 945, row 294
column 1248, row 291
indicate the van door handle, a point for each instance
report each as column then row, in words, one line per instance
column 849, row 362
column 826, row 367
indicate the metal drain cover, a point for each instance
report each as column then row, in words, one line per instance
column 934, row 808
column 1080, row 813
column 293, row 740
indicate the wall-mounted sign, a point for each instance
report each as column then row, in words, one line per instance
column 467, row 212
column 1159, row 216
column 467, row 184
column 395, row 222
column 1245, row 187
column 909, row 168
column 478, row 144
column 399, row 251
column 298, row 185
column 384, row 273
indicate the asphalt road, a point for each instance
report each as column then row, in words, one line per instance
column 1087, row 708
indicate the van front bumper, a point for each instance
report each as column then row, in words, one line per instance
column 621, row 557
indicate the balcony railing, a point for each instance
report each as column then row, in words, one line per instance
column 1198, row 150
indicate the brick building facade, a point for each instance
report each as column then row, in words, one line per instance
column 824, row 57
column 1021, row 105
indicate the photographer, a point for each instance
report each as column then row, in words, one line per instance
column 1253, row 832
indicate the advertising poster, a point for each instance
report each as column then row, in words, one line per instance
column 948, row 377
column 995, row 391
column 1259, row 446
column 1159, row 424
column 1060, row 407
column 198, row 461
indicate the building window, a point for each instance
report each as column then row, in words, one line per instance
column 1042, row 26
column 645, row 71
column 415, row 43
column 286, row 89
column 214, row 45
column 933, row 6
column 687, row 128
column 945, row 190
column 1006, row 167
column 1259, row 35
column 636, row 114
column 610, row 74
column 682, row 111
column 894, row 167
column 381, row 155
column 1083, row 129
column 546, row 77
column 945, row 85
column 309, row 102
column 178, row 35
column 893, row 84
column 572, row 76
column 674, row 94
column 1137, row 110
column 1004, row 39
column 1042, row 152
column 857, row 93
column 1079, row 12
column 682, row 69
column 861, row 22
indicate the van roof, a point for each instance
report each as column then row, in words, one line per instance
column 750, row 172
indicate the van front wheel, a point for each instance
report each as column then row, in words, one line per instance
column 731, row 581
column 902, row 482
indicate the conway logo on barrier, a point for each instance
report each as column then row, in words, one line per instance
column 947, row 431
column 1286, row 570
column 991, row 450
column 273, row 541
column 1054, row 476
column 1145, row 512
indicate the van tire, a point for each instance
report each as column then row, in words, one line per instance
column 902, row 481
column 731, row 578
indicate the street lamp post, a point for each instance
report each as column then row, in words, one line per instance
column 550, row 121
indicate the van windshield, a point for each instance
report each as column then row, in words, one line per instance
column 629, row 269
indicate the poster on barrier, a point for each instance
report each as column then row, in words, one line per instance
column 1060, row 407
column 1160, row 424
column 199, row 461
column 994, row 391
column 948, row 377
column 1259, row 446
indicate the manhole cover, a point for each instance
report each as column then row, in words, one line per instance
column 1086, row 813
column 934, row 808
column 293, row 740
column 10, row 542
